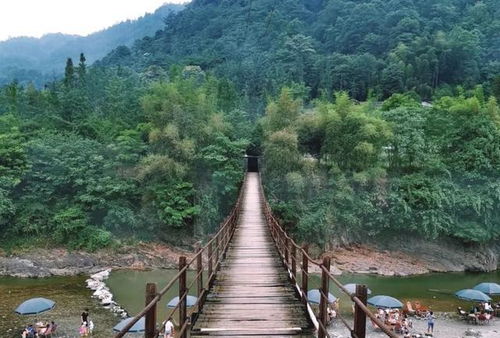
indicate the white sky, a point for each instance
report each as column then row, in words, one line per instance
column 39, row 17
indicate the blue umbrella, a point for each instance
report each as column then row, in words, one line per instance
column 488, row 288
column 314, row 296
column 190, row 301
column 472, row 295
column 34, row 306
column 137, row 327
column 385, row 302
column 351, row 287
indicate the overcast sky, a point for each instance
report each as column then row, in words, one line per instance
column 39, row 17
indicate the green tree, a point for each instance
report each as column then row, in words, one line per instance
column 69, row 74
column 82, row 69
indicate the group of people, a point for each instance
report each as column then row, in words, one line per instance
column 396, row 320
column 39, row 330
column 480, row 313
column 86, row 325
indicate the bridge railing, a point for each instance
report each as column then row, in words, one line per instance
column 206, row 259
column 295, row 257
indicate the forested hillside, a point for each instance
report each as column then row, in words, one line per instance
column 148, row 142
column 368, row 47
column 344, row 172
column 39, row 61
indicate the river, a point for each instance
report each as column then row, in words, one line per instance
column 433, row 290
column 71, row 296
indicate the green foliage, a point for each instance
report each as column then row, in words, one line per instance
column 175, row 204
column 353, row 139
column 13, row 161
column 431, row 172
column 400, row 100
column 102, row 154
column 355, row 46
column 149, row 140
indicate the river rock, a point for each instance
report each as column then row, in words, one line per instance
column 472, row 333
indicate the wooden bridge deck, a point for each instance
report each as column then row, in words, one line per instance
column 252, row 294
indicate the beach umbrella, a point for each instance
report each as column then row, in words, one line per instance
column 35, row 306
column 314, row 296
column 190, row 301
column 488, row 288
column 472, row 295
column 351, row 287
column 137, row 327
column 385, row 302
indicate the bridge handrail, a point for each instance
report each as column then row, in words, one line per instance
column 288, row 250
column 215, row 250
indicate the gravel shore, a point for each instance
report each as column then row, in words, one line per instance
column 443, row 328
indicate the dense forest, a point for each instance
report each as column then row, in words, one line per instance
column 32, row 60
column 148, row 143
column 369, row 48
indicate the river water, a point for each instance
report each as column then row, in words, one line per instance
column 71, row 296
column 433, row 290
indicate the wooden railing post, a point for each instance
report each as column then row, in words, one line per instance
column 305, row 272
column 359, row 315
column 199, row 270
column 294, row 263
column 224, row 242
column 210, row 263
column 150, row 326
column 217, row 250
column 182, row 295
column 325, row 286
column 287, row 251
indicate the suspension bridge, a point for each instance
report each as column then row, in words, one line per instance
column 251, row 279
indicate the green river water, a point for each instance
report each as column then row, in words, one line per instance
column 71, row 296
column 433, row 290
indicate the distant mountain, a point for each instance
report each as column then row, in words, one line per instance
column 40, row 59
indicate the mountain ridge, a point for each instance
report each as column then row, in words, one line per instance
column 30, row 59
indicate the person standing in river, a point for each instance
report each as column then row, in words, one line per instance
column 85, row 318
column 430, row 322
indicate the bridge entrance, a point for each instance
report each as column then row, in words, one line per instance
column 252, row 164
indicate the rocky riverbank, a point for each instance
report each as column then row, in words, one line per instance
column 39, row 263
column 404, row 257
column 398, row 257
